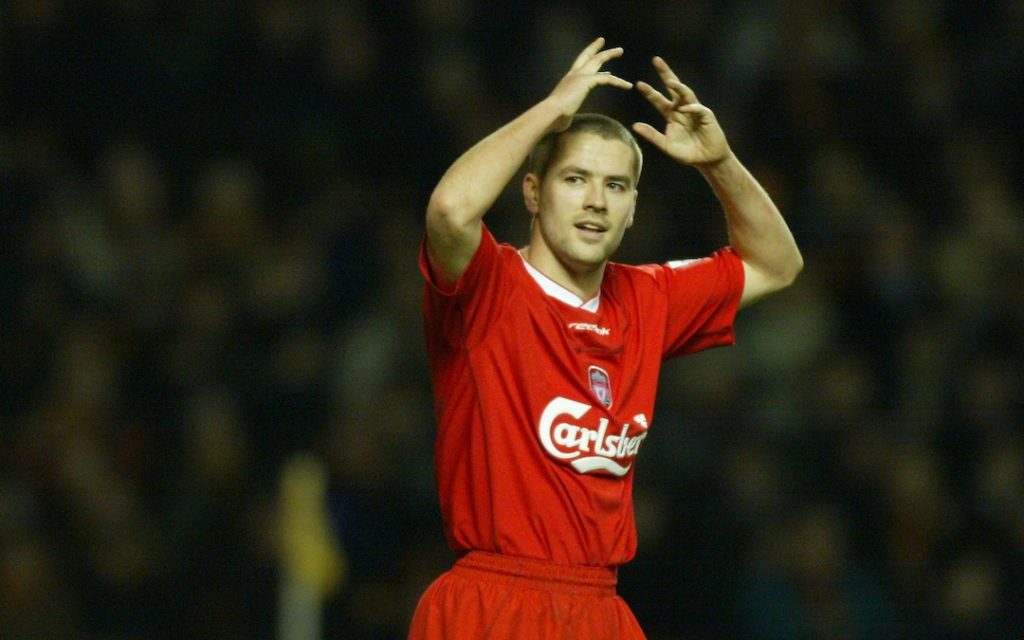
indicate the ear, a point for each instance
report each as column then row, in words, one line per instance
column 632, row 210
column 531, row 192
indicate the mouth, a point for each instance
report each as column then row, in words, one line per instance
column 591, row 229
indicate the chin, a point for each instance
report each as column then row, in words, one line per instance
column 583, row 262
column 596, row 254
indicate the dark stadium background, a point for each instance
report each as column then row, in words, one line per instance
column 210, row 219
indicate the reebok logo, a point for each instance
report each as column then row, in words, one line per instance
column 586, row 326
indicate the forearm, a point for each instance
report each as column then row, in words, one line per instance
column 477, row 178
column 757, row 231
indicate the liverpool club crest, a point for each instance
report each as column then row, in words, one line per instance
column 601, row 385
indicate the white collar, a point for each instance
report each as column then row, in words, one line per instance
column 559, row 292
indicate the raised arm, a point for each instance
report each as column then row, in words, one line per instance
column 757, row 231
column 471, row 185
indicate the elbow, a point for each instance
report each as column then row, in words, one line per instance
column 796, row 265
column 765, row 279
column 787, row 276
column 447, row 210
column 441, row 205
column 784, row 273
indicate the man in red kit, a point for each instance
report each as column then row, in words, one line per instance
column 545, row 360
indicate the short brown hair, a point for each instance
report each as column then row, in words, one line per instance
column 546, row 151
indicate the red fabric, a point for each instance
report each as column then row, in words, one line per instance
column 500, row 597
column 542, row 407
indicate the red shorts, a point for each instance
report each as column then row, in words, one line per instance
column 497, row 597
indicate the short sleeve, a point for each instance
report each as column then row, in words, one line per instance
column 703, row 298
column 459, row 316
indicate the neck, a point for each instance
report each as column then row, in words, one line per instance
column 584, row 281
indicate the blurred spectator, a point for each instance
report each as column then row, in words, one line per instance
column 803, row 583
column 211, row 214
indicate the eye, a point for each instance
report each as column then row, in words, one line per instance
column 574, row 179
column 616, row 186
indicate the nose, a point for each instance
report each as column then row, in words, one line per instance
column 595, row 198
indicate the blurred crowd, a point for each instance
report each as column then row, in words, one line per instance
column 211, row 213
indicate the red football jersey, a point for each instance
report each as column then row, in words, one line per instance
column 542, row 403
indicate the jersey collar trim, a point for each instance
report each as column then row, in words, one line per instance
column 560, row 293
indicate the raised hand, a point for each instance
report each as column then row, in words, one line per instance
column 692, row 134
column 585, row 74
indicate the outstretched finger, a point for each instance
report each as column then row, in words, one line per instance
column 677, row 90
column 659, row 101
column 605, row 77
column 588, row 52
column 685, row 94
column 650, row 134
column 599, row 59
column 696, row 109
column 664, row 70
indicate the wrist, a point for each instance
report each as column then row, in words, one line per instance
column 721, row 168
column 554, row 115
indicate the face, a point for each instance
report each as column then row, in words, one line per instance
column 583, row 205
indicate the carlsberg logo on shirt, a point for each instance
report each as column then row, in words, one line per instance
column 593, row 447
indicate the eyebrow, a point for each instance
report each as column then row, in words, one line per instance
column 587, row 173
